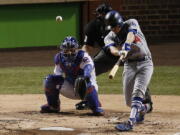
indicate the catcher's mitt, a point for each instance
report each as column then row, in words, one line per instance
column 80, row 87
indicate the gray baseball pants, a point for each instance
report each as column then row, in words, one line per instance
column 136, row 77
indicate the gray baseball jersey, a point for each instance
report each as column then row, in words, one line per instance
column 138, row 67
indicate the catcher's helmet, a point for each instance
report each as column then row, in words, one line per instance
column 103, row 9
column 69, row 48
column 113, row 18
column 69, row 43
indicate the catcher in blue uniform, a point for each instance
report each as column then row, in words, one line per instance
column 74, row 77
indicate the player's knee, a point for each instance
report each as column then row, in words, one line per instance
column 53, row 82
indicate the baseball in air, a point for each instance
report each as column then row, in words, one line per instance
column 59, row 18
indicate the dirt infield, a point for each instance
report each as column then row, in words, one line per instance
column 20, row 116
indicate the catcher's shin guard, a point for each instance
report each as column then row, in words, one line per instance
column 93, row 101
column 53, row 98
column 52, row 85
column 53, row 101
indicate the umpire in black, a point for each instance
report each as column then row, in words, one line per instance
column 95, row 32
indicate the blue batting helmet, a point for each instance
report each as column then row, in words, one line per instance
column 113, row 18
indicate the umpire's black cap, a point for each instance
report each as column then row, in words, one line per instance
column 103, row 9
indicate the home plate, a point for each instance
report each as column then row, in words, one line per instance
column 57, row 129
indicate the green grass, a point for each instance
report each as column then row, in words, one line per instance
column 21, row 80
column 166, row 81
column 27, row 80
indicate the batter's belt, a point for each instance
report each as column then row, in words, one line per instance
column 139, row 59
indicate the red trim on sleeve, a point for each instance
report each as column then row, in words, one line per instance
column 137, row 39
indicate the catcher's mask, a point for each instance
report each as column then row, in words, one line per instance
column 69, row 48
column 113, row 19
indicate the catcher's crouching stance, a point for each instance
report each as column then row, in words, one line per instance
column 79, row 81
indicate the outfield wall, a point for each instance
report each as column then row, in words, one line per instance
column 34, row 24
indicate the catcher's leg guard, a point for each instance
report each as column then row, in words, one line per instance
column 53, row 105
column 49, row 109
column 52, row 85
column 93, row 101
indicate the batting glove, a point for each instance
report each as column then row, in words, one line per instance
column 123, row 53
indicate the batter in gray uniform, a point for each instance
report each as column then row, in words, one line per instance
column 138, row 65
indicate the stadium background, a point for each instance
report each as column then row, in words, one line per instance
column 28, row 23
column 29, row 31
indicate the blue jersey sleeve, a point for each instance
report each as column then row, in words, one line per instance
column 87, row 70
column 57, row 58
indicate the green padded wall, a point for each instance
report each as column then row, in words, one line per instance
column 35, row 25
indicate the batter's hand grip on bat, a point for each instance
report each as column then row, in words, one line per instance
column 115, row 68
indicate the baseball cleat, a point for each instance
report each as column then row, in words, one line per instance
column 49, row 109
column 83, row 105
column 125, row 126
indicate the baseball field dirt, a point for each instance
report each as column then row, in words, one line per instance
column 19, row 114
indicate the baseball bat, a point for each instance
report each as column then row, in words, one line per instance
column 115, row 68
